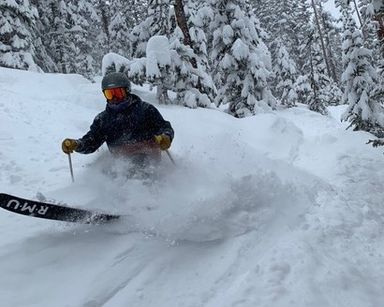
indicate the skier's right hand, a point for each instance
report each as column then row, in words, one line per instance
column 163, row 140
column 69, row 145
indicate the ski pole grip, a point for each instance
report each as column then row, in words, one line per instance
column 67, row 143
column 157, row 138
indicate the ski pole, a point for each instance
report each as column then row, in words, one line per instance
column 68, row 143
column 70, row 167
column 170, row 157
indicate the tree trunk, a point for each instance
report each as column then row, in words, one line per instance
column 358, row 14
column 182, row 23
column 329, row 52
column 313, row 82
column 321, row 38
column 105, row 21
column 380, row 31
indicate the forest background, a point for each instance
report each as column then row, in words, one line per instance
column 249, row 56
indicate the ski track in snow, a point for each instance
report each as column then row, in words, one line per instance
column 280, row 209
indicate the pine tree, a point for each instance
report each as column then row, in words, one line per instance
column 158, row 64
column 285, row 75
column 190, row 66
column 332, row 40
column 156, row 23
column 288, row 21
column 126, row 15
column 197, row 26
column 82, row 16
column 316, row 88
column 378, row 6
column 240, row 58
column 55, row 17
column 359, row 79
column 103, row 12
column 317, row 99
column 17, row 28
column 98, row 17
column 303, row 31
column 119, row 34
column 370, row 29
column 302, row 87
column 70, row 29
column 320, row 34
column 191, row 84
column 42, row 56
column 200, row 16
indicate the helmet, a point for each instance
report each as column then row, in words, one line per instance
column 115, row 79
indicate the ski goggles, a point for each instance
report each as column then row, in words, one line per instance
column 117, row 92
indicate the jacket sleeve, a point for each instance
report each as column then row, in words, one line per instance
column 94, row 138
column 160, row 125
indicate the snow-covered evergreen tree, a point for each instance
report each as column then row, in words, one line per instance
column 285, row 74
column 288, row 21
column 99, row 18
column 158, row 64
column 303, row 31
column 315, row 87
column 240, row 58
column 328, row 92
column 103, row 11
column 199, row 17
column 55, row 16
column 125, row 15
column 302, row 87
column 190, row 65
column 69, row 35
column 317, row 98
column 135, row 69
column 190, row 83
column 83, row 14
column 42, row 56
column 277, row 19
column 156, row 23
column 378, row 6
column 119, row 34
column 332, row 40
column 370, row 28
column 359, row 79
column 17, row 34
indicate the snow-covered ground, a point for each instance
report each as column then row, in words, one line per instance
column 279, row 209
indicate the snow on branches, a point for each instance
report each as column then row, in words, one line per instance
column 285, row 74
column 17, row 25
column 365, row 111
column 241, row 60
column 168, row 67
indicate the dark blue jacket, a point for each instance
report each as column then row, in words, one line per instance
column 132, row 122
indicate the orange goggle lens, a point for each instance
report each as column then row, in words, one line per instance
column 118, row 92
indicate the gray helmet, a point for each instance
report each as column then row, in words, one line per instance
column 115, row 79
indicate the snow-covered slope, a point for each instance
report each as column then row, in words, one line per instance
column 280, row 209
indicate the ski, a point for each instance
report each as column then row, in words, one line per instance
column 52, row 211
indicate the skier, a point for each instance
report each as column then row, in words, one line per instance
column 131, row 127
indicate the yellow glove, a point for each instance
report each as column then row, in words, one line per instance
column 69, row 145
column 163, row 140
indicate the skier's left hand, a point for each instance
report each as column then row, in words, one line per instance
column 163, row 140
column 69, row 145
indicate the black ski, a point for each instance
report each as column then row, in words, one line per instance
column 52, row 211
